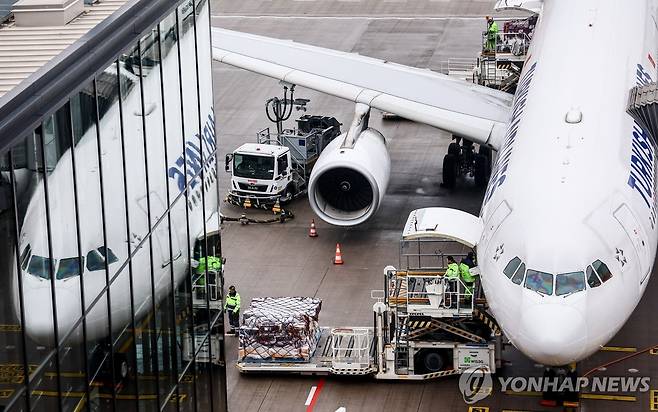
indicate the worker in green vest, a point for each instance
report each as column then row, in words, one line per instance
column 453, row 269
column 213, row 263
column 492, row 34
column 232, row 307
column 466, row 276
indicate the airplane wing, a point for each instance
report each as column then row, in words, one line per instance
column 475, row 112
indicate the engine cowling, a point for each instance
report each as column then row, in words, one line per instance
column 347, row 185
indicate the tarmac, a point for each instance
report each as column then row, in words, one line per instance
column 281, row 260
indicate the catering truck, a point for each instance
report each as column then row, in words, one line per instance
column 425, row 325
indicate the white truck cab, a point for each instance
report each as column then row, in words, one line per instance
column 260, row 172
column 276, row 168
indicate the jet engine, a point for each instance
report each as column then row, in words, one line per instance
column 348, row 182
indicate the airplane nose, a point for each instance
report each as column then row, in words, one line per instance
column 39, row 315
column 552, row 334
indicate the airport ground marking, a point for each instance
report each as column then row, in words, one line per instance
column 654, row 351
column 311, row 393
column 478, row 409
column 618, row 349
column 602, row 397
column 10, row 328
column 522, row 393
column 316, row 394
column 653, row 400
column 6, row 393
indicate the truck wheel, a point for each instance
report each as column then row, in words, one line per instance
column 481, row 172
column 430, row 361
column 450, row 170
column 288, row 194
column 453, row 149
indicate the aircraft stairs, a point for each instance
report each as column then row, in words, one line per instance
column 643, row 107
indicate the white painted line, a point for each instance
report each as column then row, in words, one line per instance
column 341, row 409
column 309, row 399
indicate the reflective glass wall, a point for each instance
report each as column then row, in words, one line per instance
column 110, row 257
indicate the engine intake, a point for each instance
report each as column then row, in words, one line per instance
column 347, row 185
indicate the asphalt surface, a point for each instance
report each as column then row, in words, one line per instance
column 281, row 260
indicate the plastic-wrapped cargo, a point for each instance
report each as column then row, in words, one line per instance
column 282, row 329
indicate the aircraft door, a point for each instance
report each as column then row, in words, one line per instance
column 160, row 237
column 637, row 237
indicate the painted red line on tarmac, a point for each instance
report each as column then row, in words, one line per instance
column 309, row 408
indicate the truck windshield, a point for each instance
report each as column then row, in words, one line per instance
column 255, row 167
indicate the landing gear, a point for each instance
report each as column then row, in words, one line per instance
column 450, row 170
column 462, row 160
column 563, row 387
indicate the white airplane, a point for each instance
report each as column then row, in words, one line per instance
column 567, row 235
column 34, row 260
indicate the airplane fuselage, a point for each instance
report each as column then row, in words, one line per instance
column 574, row 184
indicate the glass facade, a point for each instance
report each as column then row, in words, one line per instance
column 110, row 250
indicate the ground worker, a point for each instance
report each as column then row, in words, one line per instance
column 466, row 276
column 470, row 260
column 453, row 269
column 232, row 307
column 492, row 34
column 214, row 265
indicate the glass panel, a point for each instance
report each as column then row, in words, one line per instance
column 518, row 276
column 592, row 279
column 39, row 266
column 69, row 267
column 511, row 267
column 539, row 281
column 566, row 283
column 38, row 324
column 12, row 355
column 602, row 270
column 108, row 255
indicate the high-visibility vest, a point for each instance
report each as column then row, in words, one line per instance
column 465, row 273
column 453, row 271
column 232, row 302
column 214, row 263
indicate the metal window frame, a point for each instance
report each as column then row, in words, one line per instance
column 24, row 107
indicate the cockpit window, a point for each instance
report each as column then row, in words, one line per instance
column 38, row 266
column 592, row 280
column 511, row 267
column 96, row 258
column 567, row 283
column 110, row 256
column 25, row 256
column 518, row 276
column 602, row 270
column 541, row 282
column 68, row 268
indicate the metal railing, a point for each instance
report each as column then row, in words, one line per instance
column 350, row 348
column 438, row 293
column 515, row 43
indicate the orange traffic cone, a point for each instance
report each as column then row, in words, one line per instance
column 312, row 232
column 338, row 260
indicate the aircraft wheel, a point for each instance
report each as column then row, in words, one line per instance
column 453, row 149
column 450, row 170
column 481, row 172
column 121, row 368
